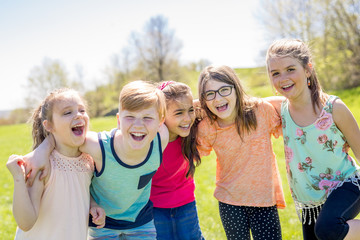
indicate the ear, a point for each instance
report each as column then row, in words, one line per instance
column 118, row 120
column 47, row 125
column 308, row 70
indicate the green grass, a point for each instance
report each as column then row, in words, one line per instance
column 16, row 139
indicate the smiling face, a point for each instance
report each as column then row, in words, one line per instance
column 289, row 77
column 224, row 107
column 179, row 117
column 69, row 123
column 139, row 128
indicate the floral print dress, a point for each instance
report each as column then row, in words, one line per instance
column 317, row 159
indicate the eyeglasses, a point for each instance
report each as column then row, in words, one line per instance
column 223, row 91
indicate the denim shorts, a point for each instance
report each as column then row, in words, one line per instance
column 144, row 232
column 180, row 223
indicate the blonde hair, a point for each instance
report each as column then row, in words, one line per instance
column 45, row 112
column 245, row 119
column 298, row 50
column 138, row 95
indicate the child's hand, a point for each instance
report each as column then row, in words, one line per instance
column 36, row 162
column 98, row 216
column 16, row 166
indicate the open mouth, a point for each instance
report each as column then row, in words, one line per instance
column 78, row 130
column 222, row 107
column 185, row 127
column 287, row 87
column 138, row 136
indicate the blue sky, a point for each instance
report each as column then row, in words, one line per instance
column 87, row 33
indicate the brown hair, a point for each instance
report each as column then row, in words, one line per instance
column 139, row 95
column 174, row 91
column 45, row 112
column 245, row 119
column 297, row 49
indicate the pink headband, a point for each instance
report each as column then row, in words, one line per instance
column 163, row 85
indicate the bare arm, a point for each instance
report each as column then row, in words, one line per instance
column 26, row 200
column 38, row 160
column 164, row 136
column 347, row 124
column 276, row 102
column 92, row 147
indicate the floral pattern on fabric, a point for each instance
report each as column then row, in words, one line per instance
column 316, row 156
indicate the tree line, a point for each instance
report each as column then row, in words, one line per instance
column 331, row 27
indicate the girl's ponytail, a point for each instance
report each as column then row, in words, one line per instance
column 38, row 131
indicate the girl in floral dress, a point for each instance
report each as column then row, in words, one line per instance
column 318, row 130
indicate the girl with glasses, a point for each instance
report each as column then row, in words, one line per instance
column 239, row 129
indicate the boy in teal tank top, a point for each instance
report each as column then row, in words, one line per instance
column 125, row 161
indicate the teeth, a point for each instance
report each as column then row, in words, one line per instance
column 138, row 134
column 221, row 105
column 185, row 126
column 78, row 125
column 286, row 86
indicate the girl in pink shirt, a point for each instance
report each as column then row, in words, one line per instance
column 239, row 129
column 173, row 186
column 57, row 207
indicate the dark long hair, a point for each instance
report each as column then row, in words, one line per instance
column 174, row 91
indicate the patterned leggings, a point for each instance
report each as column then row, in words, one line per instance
column 237, row 221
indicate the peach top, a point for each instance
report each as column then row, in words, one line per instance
column 246, row 172
column 65, row 203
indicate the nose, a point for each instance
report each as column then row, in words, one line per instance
column 138, row 122
column 283, row 77
column 80, row 114
column 187, row 117
column 217, row 95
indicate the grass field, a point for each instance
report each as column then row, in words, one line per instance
column 16, row 139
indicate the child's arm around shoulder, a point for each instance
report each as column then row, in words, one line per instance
column 92, row 147
column 164, row 136
column 347, row 124
column 276, row 102
column 26, row 200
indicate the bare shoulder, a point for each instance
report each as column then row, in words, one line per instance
column 164, row 136
column 91, row 145
column 340, row 111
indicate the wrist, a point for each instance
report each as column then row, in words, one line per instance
column 19, row 178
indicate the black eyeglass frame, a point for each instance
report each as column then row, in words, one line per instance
column 218, row 92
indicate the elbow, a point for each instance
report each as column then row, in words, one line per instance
column 25, row 226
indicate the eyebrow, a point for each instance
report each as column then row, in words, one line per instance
column 292, row 65
column 220, row 87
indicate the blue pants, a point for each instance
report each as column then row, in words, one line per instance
column 179, row 223
column 144, row 232
column 264, row 222
column 342, row 205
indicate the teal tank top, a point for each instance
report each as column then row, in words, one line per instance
column 122, row 190
column 317, row 159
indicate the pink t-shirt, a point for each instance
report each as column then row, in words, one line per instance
column 246, row 172
column 170, row 187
